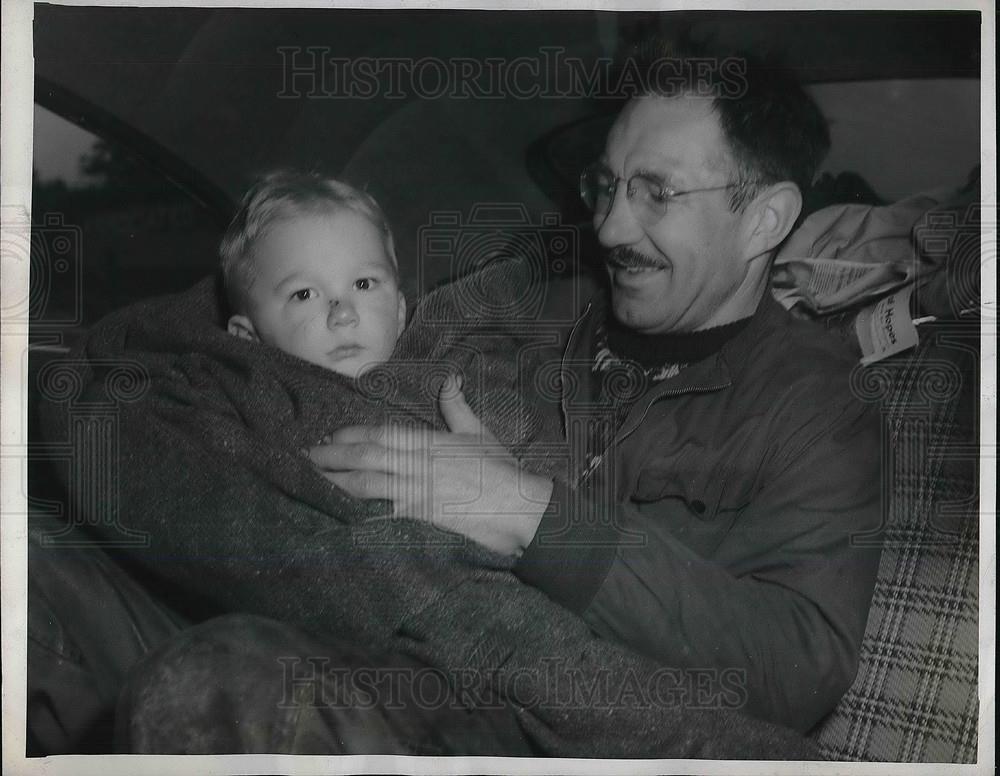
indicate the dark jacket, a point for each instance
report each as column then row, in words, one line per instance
column 727, row 529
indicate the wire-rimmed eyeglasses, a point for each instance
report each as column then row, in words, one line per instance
column 647, row 195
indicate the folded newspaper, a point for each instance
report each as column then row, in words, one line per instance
column 859, row 258
column 825, row 286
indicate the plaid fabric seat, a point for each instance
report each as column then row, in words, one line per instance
column 915, row 698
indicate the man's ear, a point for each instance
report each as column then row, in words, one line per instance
column 242, row 327
column 772, row 216
column 401, row 312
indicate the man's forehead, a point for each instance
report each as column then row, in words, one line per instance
column 669, row 133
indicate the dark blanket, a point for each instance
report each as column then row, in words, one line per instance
column 198, row 435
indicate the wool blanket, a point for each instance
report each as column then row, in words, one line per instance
column 198, row 435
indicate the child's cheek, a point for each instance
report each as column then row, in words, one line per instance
column 308, row 320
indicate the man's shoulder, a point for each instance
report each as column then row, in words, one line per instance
column 802, row 380
column 795, row 354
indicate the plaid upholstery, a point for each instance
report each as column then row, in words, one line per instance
column 915, row 698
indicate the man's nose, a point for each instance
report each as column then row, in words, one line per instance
column 342, row 312
column 619, row 226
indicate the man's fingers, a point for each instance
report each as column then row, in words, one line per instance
column 389, row 435
column 458, row 415
column 362, row 456
column 361, row 484
column 349, row 435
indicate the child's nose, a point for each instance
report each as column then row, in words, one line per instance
column 342, row 312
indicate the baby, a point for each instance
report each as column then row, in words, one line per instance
column 310, row 268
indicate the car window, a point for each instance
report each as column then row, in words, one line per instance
column 108, row 228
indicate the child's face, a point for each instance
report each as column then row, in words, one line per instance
column 325, row 290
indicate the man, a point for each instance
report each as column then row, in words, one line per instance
column 718, row 470
column 713, row 526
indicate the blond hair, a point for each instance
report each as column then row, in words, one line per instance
column 277, row 196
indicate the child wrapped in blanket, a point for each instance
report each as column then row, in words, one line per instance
column 310, row 268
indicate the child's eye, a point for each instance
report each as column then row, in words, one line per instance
column 365, row 284
column 302, row 295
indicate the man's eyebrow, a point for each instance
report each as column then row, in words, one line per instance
column 650, row 173
column 661, row 167
column 675, row 164
column 669, row 180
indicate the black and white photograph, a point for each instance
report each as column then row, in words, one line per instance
column 498, row 388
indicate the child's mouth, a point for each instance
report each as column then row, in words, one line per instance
column 344, row 351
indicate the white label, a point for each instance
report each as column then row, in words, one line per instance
column 885, row 328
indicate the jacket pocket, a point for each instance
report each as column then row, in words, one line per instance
column 701, row 495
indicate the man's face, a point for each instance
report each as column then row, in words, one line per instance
column 684, row 272
column 326, row 291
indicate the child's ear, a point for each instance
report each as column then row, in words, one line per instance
column 241, row 326
column 401, row 313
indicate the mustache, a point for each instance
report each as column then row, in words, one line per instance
column 629, row 258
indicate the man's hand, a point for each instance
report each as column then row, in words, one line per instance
column 462, row 480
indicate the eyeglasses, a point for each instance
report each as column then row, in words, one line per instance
column 647, row 195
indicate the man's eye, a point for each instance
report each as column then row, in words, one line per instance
column 302, row 295
column 365, row 284
column 660, row 195
column 653, row 190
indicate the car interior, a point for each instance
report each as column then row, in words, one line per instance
column 150, row 122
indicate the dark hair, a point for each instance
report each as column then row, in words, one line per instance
column 775, row 130
column 277, row 196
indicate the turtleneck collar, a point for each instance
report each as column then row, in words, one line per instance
column 655, row 350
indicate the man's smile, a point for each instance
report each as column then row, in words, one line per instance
column 637, row 270
column 629, row 267
column 630, row 262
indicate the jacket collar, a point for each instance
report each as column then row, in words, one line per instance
column 710, row 374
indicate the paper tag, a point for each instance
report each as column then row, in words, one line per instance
column 885, row 328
